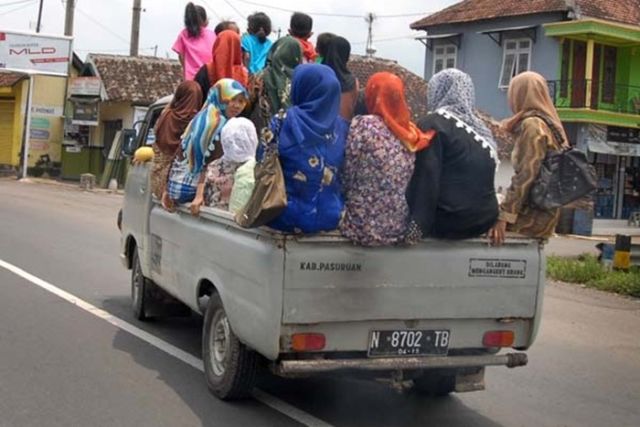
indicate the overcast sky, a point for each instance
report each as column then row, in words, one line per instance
column 105, row 25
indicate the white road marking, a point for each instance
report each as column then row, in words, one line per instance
column 196, row 363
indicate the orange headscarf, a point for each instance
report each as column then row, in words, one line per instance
column 227, row 59
column 384, row 97
column 529, row 92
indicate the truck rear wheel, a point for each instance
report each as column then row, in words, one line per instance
column 230, row 368
column 140, row 289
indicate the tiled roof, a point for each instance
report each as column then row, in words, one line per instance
column 416, row 92
column 624, row 11
column 415, row 86
column 10, row 78
column 140, row 80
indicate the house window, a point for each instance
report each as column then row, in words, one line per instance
column 444, row 56
column 516, row 59
column 609, row 75
column 564, row 68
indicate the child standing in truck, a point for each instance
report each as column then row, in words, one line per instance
column 300, row 27
column 255, row 44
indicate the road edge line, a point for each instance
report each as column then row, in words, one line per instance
column 267, row 399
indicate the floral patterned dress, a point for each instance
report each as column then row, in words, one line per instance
column 376, row 173
column 219, row 183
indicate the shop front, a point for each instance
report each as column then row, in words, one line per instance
column 615, row 154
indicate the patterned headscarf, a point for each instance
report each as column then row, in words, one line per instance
column 453, row 91
column 227, row 59
column 200, row 138
column 384, row 97
column 285, row 55
column 239, row 140
column 529, row 92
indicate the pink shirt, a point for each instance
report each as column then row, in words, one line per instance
column 195, row 51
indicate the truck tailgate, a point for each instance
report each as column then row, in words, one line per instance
column 331, row 280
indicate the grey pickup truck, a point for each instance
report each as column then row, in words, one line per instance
column 431, row 316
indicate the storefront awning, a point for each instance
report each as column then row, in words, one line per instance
column 606, row 32
column 598, row 141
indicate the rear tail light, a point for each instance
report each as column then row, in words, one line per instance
column 307, row 342
column 498, row 339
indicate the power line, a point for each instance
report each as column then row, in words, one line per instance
column 240, row 14
column 98, row 23
column 15, row 2
column 24, row 6
column 208, row 6
column 335, row 15
column 386, row 39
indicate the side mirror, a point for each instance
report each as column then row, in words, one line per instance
column 129, row 142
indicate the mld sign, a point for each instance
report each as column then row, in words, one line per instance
column 34, row 53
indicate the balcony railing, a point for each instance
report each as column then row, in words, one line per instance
column 604, row 96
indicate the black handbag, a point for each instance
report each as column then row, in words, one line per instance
column 565, row 176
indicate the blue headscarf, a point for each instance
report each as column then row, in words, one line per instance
column 311, row 146
column 200, row 138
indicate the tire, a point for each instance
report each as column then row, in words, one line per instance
column 140, row 287
column 435, row 384
column 230, row 368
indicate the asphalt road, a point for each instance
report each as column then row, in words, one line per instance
column 63, row 366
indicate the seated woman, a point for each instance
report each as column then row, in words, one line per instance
column 201, row 144
column 172, row 122
column 452, row 193
column 272, row 86
column 338, row 51
column 226, row 63
column 537, row 129
column 311, row 149
column 239, row 142
column 378, row 165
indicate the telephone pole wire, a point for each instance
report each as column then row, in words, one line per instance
column 68, row 17
column 135, row 28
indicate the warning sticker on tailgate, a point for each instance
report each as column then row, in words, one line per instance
column 503, row 268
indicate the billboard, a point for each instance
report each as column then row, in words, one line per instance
column 34, row 53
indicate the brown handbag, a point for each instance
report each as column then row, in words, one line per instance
column 269, row 197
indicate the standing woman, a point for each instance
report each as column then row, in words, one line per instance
column 378, row 165
column 452, row 193
column 338, row 51
column 537, row 129
column 272, row 86
column 311, row 152
column 226, row 63
column 169, row 129
column 194, row 42
column 255, row 44
column 201, row 144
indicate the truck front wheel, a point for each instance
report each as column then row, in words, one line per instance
column 230, row 368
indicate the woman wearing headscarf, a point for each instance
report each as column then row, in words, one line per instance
column 272, row 86
column 338, row 51
column 378, row 165
column 169, row 128
column 239, row 142
column 226, row 63
column 537, row 129
column 311, row 149
column 452, row 193
column 201, row 144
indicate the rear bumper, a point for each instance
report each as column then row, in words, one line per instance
column 510, row 360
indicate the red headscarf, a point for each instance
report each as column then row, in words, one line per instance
column 177, row 115
column 227, row 59
column 384, row 97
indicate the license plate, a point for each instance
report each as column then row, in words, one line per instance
column 409, row 342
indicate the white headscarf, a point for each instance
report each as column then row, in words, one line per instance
column 239, row 140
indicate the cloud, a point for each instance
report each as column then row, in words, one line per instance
column 105, row 25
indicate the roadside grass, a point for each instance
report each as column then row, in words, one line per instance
column 586, row 270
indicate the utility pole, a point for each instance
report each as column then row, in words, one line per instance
column 135, row 28
column 68, row 17
column 155, row 51
column 39, row 17
column 369, row 20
